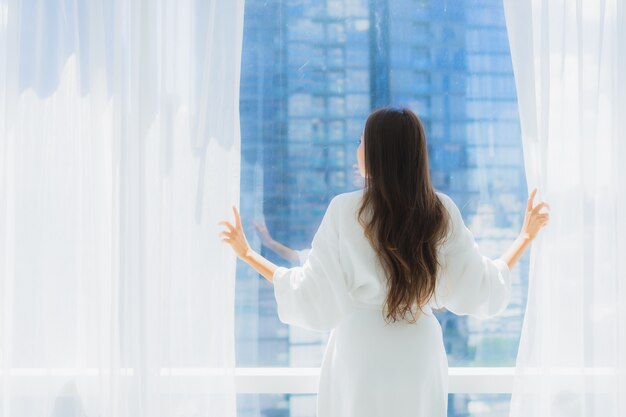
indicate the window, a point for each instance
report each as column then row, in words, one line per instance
column 310, row 76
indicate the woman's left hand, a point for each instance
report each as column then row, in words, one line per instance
column 235, row 236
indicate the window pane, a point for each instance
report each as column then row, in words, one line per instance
column 311, row 73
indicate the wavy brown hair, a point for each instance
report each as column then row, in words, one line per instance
column 406, row 221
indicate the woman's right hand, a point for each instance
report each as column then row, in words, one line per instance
column 534, row 220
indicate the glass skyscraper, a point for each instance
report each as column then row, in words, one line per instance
column 311, row 73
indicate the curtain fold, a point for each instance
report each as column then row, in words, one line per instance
column 569, row 60
column 119, row 154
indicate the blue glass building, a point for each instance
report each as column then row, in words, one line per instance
column 311, row 73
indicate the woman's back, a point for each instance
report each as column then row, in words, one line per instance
column 468, row 282
column 372, row 367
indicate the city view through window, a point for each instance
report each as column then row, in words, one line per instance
column 311, row 73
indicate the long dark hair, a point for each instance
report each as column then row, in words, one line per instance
column 407, row 221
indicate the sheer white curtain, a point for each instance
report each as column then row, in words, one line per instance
column 119, row 154
column 569, row 59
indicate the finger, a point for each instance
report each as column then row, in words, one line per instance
column 230, row 226
column 531, row 197
column 227, row 234
column 237, row 219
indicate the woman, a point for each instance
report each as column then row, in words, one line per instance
column 382, row 259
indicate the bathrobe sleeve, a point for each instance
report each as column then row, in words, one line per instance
column 469, row 283
column 315, row 295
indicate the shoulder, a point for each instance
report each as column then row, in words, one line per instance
column 457, row 225
column 449, row 204
column 346, row 200
column 454, row 216
column 445, row 198
column 341, row 205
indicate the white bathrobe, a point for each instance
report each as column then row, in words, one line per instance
column 371, row 368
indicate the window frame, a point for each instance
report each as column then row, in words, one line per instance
column 269, row 380
column 299, row 380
